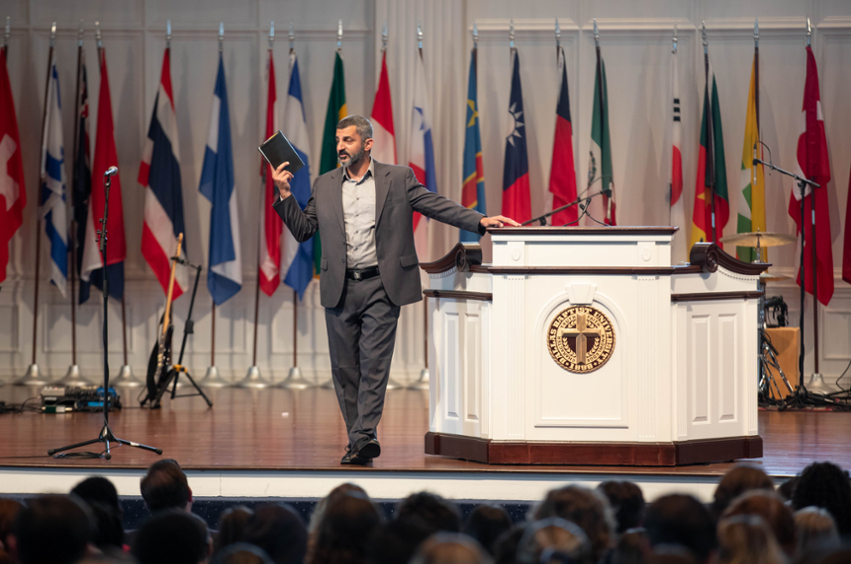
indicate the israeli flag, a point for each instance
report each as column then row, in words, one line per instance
column 52, row 199
column 224, row 277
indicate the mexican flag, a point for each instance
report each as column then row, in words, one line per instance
column 711, row 171
column 602, row 208
column 752, row 182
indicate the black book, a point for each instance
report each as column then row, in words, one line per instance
column 277, row 150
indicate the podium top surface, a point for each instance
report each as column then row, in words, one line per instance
column 613, row 230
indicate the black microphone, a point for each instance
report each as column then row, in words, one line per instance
column 113, row 170
column 584, row 204
column 755, row 163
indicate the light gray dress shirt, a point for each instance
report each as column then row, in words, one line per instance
column 359, row 219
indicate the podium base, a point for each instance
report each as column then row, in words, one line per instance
column 212, row 379
column 125, row 379
column 294, row 381
column 817, row 385
column 253, row 380
column 73, row 378
column 32, row 377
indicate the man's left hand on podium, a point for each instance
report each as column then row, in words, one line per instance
column 498, row 221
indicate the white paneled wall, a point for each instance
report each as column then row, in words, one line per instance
column 635, row 39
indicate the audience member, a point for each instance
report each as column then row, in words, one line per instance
column 165, row 487
column 51, row 529
column 773, row 512
column 787, row 488
column 435, row 512
column 745, row 539
column 632, row 547
column 825, row 485
column 681, row 519
column 742, row 478
column 505, row 547
column 345, row 530
column 338, row 492
column 231, row 525
column 279, row 531
column 554, row 540
column 485, row 524
column 241, row 553
column 172, row 536
column 9, row 509
column 108, row 533
column 97, row 489
column 816, row 529
column 670, row 554
column 626, row 501
column 587, row 508
column 397, row 541
column 840, row 555
column 451, row 548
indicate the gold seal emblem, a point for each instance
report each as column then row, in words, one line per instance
column 581, row 339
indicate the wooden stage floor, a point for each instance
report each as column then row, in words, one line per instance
column 301, row 432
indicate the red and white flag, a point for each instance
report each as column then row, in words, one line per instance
column 13, row 194
column 813, row 164
column 846, row 248
column 679, row 250
column 270, row 226
column 562, row 169
column 383, row 132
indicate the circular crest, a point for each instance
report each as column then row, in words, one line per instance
column 581, row 339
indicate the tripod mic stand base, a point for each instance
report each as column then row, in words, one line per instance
column 212, row 379
column 422, row 383
column 125, row 379
column 817, row 385
column 72, row 378
column 32, row 377
column 294, row 381
column 253, row 380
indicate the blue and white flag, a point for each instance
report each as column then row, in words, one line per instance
column 297, row 258
column 52, row 172
column 224, row 277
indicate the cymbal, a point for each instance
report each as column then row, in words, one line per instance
column 769, row 277
column 765, row 239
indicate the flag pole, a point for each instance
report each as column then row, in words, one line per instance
column 709, row 175
column 608, row 197
column 33, row 377
column 813, row 252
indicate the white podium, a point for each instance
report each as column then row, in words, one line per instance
column 586, row 346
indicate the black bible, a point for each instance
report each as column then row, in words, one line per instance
column 278, row 150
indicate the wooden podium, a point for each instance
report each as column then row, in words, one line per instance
column 586, row 346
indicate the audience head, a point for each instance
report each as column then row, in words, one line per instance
column 397, row 541
column 108, row 534
column 826, row 485
column 241, row 553
column 683, row 520
column 485, row 524
column 632, row 547
column 627, row 503
column 9, row 509
column 816, row 529
column 172, row 537
column 742, row 478
column 554, row 540
column 588, row 509
column 97, row 489
column 51, row 529
column 232, row 523
column 773, row 512
column 435, row 512
column 345, row 530
column 335, row 494
column 505, row 547
column 165, row 487
column 450, row 548
column 279, row 531
column 670, row 554
column 745, row 539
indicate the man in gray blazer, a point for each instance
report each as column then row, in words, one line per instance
column 369, row 268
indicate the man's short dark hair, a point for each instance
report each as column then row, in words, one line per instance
column 363, row 126
column 432, row 510
column 165, row 486
column 486, row 523
column 97, row 489
column 627, row 502
column 279, row 531
column 681, row 519
column 172, row 537
column 52, row 529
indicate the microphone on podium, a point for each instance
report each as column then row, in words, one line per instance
column 111, row 171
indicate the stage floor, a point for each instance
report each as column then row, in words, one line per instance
column 289, row 443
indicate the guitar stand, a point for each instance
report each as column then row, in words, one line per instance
column 178, row 369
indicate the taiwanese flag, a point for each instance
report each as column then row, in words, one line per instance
column 562, row 171
column 516, row 202
column 13, row 194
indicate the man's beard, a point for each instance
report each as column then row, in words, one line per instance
column 353, row 159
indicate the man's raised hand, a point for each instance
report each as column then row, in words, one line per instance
column 282, row 180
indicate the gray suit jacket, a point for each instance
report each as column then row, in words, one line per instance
column 398, row 195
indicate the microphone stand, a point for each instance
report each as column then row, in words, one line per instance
column 542, row 219
column 105, row 435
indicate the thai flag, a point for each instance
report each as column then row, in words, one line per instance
column 159, row 174
column 297, row 257
column 421, row 158
column 224, row 277
column 53, row 208
column 516, row 202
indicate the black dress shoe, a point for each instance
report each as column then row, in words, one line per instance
column 369, row 449
column 352, row 458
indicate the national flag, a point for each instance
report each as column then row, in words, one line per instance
column 813, row 164
column 337, row 110
column 159, row 175
column 846, row 244
column 752, row 180
column 602, row 208
column 421, row 154
column 297, row 257
column 269, row 270
column 52, row 172
column 679, row 252
column 711, row 171
column 224, row 274
column 516, row 202
column 383, row 132
column 82, row 177
column 105, row 157
column 562, row 169
column 13, row 193
column 473, row 189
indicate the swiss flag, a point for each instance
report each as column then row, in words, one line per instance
column 13, row 194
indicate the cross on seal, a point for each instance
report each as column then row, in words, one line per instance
column 580, row 333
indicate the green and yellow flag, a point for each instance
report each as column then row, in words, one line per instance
column 328, row 157
column 752, row 182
